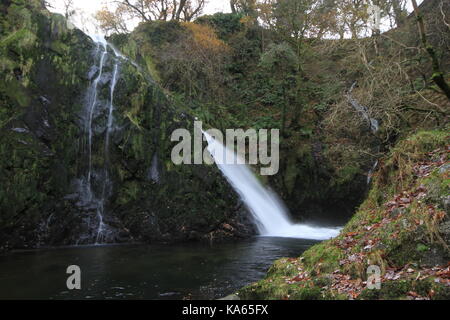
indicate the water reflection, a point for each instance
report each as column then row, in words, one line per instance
column 196, row 271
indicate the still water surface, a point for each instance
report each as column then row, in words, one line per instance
column 197, row 271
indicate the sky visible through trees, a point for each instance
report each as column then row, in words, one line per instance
column 83, row 12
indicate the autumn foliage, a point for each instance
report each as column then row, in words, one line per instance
column 205, row 38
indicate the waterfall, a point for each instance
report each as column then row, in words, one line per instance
column 92, row 106
column 269, row 213
column 106, row 180
column 374, row 125
column 95, row 185
column 372, row 170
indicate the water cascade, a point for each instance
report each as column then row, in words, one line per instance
column 374, row 124
column 372, row 170
column 95, row 185
column 270, row 215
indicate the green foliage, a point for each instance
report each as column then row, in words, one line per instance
column 226, row 24
column 158, row 33
column 279, row 59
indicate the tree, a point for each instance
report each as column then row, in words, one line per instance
column 68, row 8
column 293, row 20
column 146, row 11
column 324, row 18
column 398, row 11
column 246, row 7
column 149, row 10
column 195, row 63
column 190, row 10
column 281, row 62
column 354, row 14
column 438, row 75
column 113, row 21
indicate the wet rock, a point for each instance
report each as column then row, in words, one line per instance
column 93, row 72
column 169, row 294
column 59, row 61
column 231, row 297
column 44, row 100
column 436, row 256
column 445, row 202
column 445, row 168
column 444, row 230
column 396, row 212
column 20, row 130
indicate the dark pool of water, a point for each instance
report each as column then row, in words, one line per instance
column 198, row 271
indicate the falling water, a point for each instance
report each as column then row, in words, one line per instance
column 96, row 197
column 372, row 170
column 92, row 106
column 153, row 172
column 270, row 215
column 106, row 183
column 111, row 107
column 374, row 124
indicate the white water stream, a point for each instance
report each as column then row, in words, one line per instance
column 97, row 197
column 269, row 213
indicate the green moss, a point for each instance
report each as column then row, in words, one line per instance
column 441, row 292
column 404, row 252
column 397, row 172
column 19, row 40
column 60, row 47
column 15, row 91
column 438, row 188
column 323, row 257
column 390, row 290
column 408, row 236
column 347, row 174
column 151, row 68
column 282, row 268
column 305, row 293
column 422, row 248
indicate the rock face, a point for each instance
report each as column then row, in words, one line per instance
column 46, row 71
column 317, row 180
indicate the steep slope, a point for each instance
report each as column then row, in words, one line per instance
column 47, row 68
column 401, row 230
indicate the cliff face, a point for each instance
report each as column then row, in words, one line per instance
column 322, row 176
column 47, row 68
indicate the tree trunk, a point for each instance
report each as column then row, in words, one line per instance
column 398, row 13
column 438, row 75
column 180, row 9
column 233, row 6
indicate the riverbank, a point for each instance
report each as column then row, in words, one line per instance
column 402, row 230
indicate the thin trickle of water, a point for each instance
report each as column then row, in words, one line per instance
column 154, row 172
column 92, row 108
column 106, row 180
column 372, row 170
column 111, row 106
column 96, row 198
column 269, row 213
column 374, row 125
